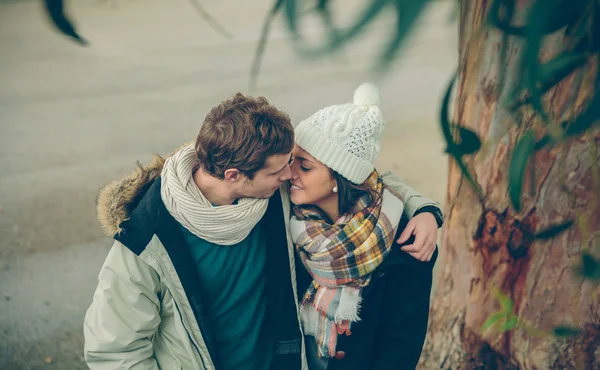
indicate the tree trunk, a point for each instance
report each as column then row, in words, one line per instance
column 487, row 245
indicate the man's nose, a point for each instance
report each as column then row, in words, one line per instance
column 286, row 175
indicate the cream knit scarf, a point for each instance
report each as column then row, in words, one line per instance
column 222, row 225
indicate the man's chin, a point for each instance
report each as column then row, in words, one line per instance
column 267, row 195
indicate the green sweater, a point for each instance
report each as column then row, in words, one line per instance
column 234, row 281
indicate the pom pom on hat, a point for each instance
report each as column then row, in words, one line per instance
column 367, row 94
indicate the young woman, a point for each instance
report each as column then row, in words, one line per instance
column 364, row 302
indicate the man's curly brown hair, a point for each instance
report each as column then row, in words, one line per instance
column 241, row 133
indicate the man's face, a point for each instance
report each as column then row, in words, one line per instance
column 267, row 180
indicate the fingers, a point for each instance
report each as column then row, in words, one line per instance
column 422, row 249
column 408, row 230
column 430, row 254
column 417, row 246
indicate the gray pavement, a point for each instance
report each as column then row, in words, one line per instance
column 72, row 119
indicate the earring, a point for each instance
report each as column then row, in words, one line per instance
column 335, row 189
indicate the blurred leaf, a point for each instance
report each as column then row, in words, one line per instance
column 505, row 301
column 337, row 37
column 407, row 11
column 510, row 324
column 554, row 230
column 565, row 331
column 291, row 13
column 514, row 99
column 553, row 71
column 367, row 16
column 589, row 267
column 545, row 140
column 324, row 11
column 518, row 162
column 56, row 12
column 548, row 75
column 504, row 24
column 322, row 4
column 580, row 26
column 451, row 147
column 503, row 56
column 469, row 141
column 493, row 319
column 537, row 20
column 559, row 13
column 566, row 12
column 586, row 119
column 444, row 116
column 545, row 16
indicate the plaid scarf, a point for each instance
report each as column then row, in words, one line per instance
column 340, row 258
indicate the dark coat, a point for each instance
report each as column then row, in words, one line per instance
column 394, row 315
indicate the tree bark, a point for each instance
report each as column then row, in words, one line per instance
column 487, row 245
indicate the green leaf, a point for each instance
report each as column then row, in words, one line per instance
column 553, row 71
column 558, row 14
column 493, row 319
column 510, row 324
column 406, row 12
column 367, row 16
column 291, row 14
column 586, row 119
column 505, row 301
column 554, row 230
column 444, row 117
column 452, row 148
column 56, row 11
column 518, row 162
column 548, row 75
column 541, row 143
column 589, row 268
column 538, row 19
column 504, row 24
column 566, row 12
column 565, row 331
column 469, row 141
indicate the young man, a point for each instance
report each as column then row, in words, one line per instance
column 201, row 274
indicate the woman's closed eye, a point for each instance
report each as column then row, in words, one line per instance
column 304, row 169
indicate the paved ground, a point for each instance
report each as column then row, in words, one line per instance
column 73, row 118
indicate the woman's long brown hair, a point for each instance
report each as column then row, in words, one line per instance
column 349, row 193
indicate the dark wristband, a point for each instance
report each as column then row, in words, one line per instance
column 435, row 211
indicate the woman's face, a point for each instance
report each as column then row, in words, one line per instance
column 311, row 181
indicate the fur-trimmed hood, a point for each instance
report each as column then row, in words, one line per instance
column 115, row 199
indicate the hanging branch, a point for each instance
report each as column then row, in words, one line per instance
column 262, row 44
column 210, row 20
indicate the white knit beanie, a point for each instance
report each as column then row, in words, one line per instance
column 346, row 138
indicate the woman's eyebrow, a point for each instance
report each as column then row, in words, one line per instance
column 303, row 159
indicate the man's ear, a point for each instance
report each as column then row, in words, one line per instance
column 232, row 175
